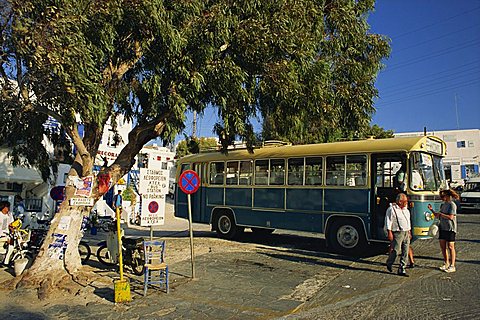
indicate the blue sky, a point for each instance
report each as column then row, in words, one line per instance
column 435, row 57
column 432, row 77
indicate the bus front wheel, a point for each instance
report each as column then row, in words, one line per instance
column 347, row 237
column 225, row 225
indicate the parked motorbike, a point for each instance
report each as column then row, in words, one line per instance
column 132, row 252
column 17, row 244
column 101, row 222
column 135, row 219
column 38, row 236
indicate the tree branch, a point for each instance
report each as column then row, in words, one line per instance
column 137, row 138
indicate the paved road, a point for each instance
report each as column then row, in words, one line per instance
column 285, row 276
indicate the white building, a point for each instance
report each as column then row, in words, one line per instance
column 28, row 183
column 463, row 152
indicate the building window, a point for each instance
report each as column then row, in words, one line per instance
column 471, row 144
column 461, row 144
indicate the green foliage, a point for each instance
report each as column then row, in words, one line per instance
column 377, row 132
column 307, row 68
column 129, row 195
column 335, row 91
column 195, row 145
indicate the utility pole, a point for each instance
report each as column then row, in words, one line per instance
column 194, row 129
column 456, row 112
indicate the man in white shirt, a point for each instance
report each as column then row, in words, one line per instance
column 397, row 223
column 6, row 218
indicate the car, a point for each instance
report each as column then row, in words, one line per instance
column 470, row 197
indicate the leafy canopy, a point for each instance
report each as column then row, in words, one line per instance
column 305, row 67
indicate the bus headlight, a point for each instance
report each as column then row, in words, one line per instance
column 429, row 216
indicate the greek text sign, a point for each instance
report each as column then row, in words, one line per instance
column 153, row 181
column 81, row 201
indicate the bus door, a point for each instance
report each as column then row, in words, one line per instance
column 197, row 198
column 386, row 184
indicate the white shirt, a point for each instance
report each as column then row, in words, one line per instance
column 403, row 221
column 5, row 220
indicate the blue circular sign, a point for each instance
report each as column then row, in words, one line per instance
column 189, row 182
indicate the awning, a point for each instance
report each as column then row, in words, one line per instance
column 9, row 173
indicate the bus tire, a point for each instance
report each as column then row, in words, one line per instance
column 225, row 225
column 262, row 232
column 346, row 236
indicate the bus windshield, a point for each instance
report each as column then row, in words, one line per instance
column 426, row 172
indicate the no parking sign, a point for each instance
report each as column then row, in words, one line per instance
column 189, row 181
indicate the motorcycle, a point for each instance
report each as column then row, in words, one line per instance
column 38, row 236
column 135, row 219
column 17, row 244
column 132, row 252
column 101, row 222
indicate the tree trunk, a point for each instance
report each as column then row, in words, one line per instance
column 52, row 268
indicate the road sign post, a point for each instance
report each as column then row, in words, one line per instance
column 189, row 182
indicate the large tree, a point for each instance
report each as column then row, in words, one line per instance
column 336, row 89
column 85, row 62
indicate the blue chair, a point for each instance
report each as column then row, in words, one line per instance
column 156, row 270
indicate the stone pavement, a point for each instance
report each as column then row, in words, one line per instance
column 234, row 281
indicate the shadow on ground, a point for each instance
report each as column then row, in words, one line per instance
column 20, row 313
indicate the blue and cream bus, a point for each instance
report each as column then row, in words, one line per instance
column 340, row 189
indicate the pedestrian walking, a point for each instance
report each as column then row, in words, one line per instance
column 397, row 223
column 447, row 228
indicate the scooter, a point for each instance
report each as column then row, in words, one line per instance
column 37, row 236
column 135, row 219
column 132, row 252
column 18, row 247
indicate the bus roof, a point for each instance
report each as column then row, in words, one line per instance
column 418, row 143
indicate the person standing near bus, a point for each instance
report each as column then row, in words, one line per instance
column 447, row 228
column 397, row 221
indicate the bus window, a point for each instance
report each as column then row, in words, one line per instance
column 335, row 175
column 261, row 172
column 245, row 173
column 185, row 167
column 295, row 171
column 277, row 172
column 313, row 171
column 216, row 172
column 356, row 170
column 232, row 173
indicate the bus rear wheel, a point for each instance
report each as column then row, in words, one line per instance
column 347, row 237
column 225, row 225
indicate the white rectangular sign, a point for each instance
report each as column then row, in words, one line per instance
column 153, row 181
column 153, row 210
column 81, row 201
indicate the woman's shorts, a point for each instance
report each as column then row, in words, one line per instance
column 447, row 235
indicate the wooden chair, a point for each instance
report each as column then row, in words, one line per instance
column 154, row 251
